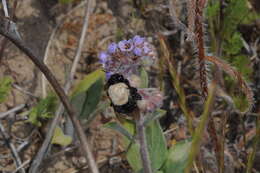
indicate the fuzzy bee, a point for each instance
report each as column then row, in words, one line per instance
column 123, row 97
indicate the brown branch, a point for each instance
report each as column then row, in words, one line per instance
column 46, row 143
column 7, row 29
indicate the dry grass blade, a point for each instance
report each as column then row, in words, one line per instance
column 199, row 131
column 251, row 156
column 176, row 82
column 236, row 75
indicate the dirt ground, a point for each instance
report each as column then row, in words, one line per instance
column 37, row 21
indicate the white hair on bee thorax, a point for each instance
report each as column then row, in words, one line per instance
column 119, row 93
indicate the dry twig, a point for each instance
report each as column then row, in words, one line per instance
column 46, row 143
column 8, row 30
column 16, row 156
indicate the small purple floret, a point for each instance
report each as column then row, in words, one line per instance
column 126, row 45
column 138, row 40
column 112, row 48
column 138, row 51
column 108, row 75
column 146, row 49
column 103, row 57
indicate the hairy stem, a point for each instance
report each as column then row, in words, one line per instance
column 201, row 47
column 140, row 131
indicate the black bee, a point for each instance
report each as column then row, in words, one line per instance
column 122, row 95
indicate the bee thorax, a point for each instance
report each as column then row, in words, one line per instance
column 119, row 93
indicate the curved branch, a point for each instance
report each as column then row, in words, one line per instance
column 8, row 30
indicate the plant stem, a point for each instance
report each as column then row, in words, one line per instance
column 140, row 131
column 8, row 30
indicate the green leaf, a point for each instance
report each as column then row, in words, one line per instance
column 117, row 127
column 144, row 79
column 242, row 64
column 155, row 140
column 177, row 158
column 199, row 131
column 133, row 157
column 88, row 81
column 251, row 17
column 233, row 45
column 87, row 94
column 59, row 138
column 234, row 13
column 133, row 153
column 5, row 87
column 43, row 110
column 213, row 9
column 156, row 144
column 157, row 114
column 241, row 103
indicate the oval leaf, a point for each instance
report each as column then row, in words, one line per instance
column 156, row 144
column 87, row 94
column 178, row 156
column 88, row 81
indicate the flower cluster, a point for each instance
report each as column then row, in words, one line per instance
column 122, row 62
column 126, row 56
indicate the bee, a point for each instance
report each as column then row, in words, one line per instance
column 123, row 96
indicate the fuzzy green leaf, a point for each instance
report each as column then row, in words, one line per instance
column 88, row 81
column 87, row 94
column 117, row 127
column 154, row 116
column 177, row 158
column 156, row 145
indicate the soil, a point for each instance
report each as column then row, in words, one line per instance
column 110, row 21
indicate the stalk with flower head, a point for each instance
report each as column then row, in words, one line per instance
column 122, row 63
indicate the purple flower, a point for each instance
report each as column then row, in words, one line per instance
column 103, row 58
column 126, row 45
column 108, row 74
column 147, row 48
column 126, row 56
column 138, row 40
column 112, row 48
column 137, row 51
